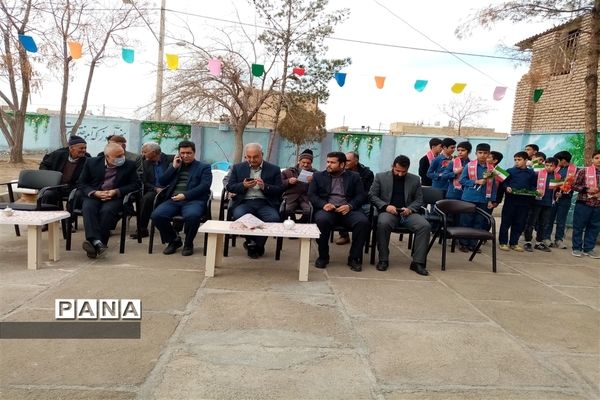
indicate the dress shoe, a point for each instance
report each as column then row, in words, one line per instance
column 343, row 240
column 187, row 251
column 249, row 244
column 382, row 266
column 100, row 250
column 321, row 262
column 143, row 233
column 419, row 269
column 464, row 249
column 354, row 265
column 89, row 249
column 173, row 246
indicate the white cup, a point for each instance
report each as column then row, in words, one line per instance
column 8, row 212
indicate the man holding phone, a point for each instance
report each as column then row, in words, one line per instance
column 257, row 187
column 398, row 196
column 187, row 184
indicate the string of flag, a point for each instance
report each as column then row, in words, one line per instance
column 215, row 68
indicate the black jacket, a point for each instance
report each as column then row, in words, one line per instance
column 56, row 160
column 271, row 175
column 366, row 176
column 423, row 168
column 92, row 177
column 148, row 178
column 320, row 189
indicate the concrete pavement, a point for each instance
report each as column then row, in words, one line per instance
column 530, row 331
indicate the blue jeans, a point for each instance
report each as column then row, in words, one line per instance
column 560, row 210
column 191, row 211
column 585, row 218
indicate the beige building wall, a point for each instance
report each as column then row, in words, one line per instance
column 407, row 128
column 561, row 107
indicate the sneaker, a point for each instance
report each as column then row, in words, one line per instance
column 516, row 247
column 547, row 243
column 591, row 254
column 559, row 244
column 528, row 247
column 577, row 253
column 542, row 247
column 504, row 247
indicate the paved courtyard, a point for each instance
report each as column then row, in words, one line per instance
column 531, row 331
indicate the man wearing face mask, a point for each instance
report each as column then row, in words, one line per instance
column 105, row 180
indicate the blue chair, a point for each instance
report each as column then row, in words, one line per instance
column 222, row 165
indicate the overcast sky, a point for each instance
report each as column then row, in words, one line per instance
column 119, row 88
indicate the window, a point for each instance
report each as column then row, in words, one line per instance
column 566, row 52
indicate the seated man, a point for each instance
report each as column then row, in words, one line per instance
column 257, row 187
column 68, row 160
column 187, row 184
column 154, row 166
column 105, row 180
column 122, row 141
column 296, row 191
column 398, row 196
column 337, row 196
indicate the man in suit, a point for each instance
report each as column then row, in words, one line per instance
column 154, row 166
column 337, row 196
column 187, row 184
column 257, row 187
column 122, row 141
column 68, row 160
column 398, row 196
column 105, row 180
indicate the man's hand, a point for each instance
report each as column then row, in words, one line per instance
column 292, row 180
column 105, row 195
column 458, row 171
column 260, row 183
column 509, row 190
column 179, row 197
column 249, row 183
column 405, row 212
column 480, row 182
column 176, row 162
column 158, row 190
column 309, row 179
column 328, row 207
column 391, row 209
column 345, row 209
column 491, row 204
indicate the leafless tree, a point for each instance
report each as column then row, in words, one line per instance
column 465, row 110
column 302, row 124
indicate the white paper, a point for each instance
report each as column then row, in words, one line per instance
column 304, row 174
column 248, row 221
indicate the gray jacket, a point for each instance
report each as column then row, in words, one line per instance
column 383, row 186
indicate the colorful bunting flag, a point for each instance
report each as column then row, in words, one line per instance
column 458, row 87
column 537, row 93
column 214, row 66
column 28, row 43
column 75, row 50
column 499, row 92
column 379, row 81
column 340, row 78
column 420, row 85
column 258, row 70
column 172, row 61
column 298, row 71
column 128, row 55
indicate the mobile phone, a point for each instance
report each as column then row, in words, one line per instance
column 249, row 179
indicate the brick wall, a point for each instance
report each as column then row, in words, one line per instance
column 561, row 107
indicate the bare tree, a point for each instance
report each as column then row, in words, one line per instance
column 560, row 11
column 88, row 23
column 16, row 72
column 296, row 30
column 465, row 110
column 302, row 125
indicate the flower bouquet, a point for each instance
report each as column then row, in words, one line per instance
column 566, row 187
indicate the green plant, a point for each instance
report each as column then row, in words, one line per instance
column 38, row 121
column 576, row 146
column 355, row 139
column 159, row 131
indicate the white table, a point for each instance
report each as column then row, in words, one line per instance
column 34, row 221
column 218, row 229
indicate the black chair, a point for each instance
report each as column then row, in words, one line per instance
column 282, row 213
column 131, row 207
column 39, row 181
column 431, row 196
column 447, row 208
column 401, row 230
column 225, row 215
column 178, row 220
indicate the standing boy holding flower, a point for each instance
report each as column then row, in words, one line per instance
column 587, row 209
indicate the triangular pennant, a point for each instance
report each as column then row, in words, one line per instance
column 340, row 78
column 420, row 85
column 172, row 61
column 258, row 70
column 499, row 92
column 75, row 50
column 379, row 81
column 298, row 71
column 28, row 43
column 128, row 55
column 537, row 93
column 214, row 66
column 458, row 87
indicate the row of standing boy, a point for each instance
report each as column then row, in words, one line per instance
column 473, row 181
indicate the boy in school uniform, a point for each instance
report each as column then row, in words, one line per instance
column 440, row 163
column 561, row 206
column 540, row 211
column 435, row 148
column 477, row 189
column 586, row 216
column 455, row 169
column 516, row 207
